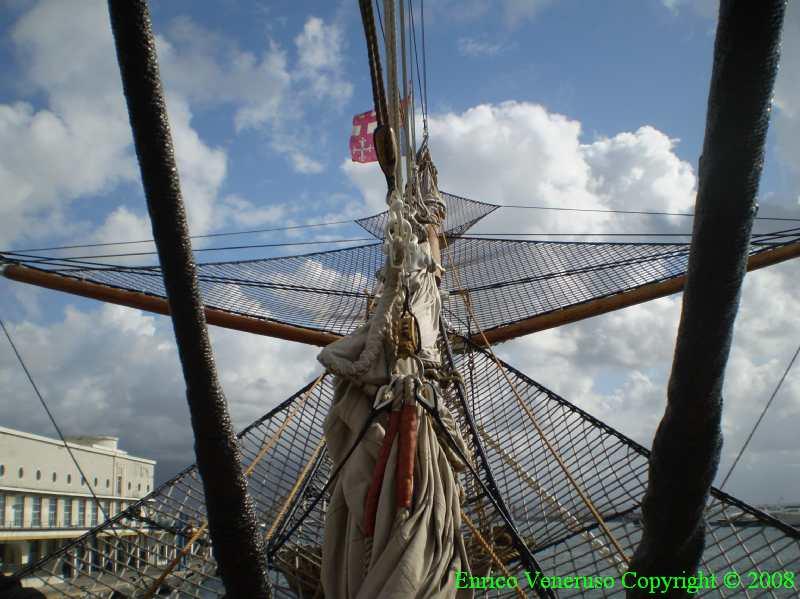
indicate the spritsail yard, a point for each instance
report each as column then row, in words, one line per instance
column 420, row 461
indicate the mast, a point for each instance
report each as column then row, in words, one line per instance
column 233, row 526
column 687, row 445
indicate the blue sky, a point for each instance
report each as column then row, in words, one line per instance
column 553, row 102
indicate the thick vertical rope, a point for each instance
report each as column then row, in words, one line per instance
column 687, row 444
column 266, row 447
column 384, row 135
column 233, row 525
column 376, row 74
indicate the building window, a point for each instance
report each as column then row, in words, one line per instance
column 36, row 510
column 83, row 482
column 95, row 482
column 17, row 510
column 81, row 513
column 2, row 510
column 21, row 472
column 93, row 513
column 38, row 475
column 55, row 477
column 52, row 510
column 129, row 485
column 148, row 488
column 139, row 487
column 108, row 484
column 2, row 469
column 119, row 485
column 67, row 511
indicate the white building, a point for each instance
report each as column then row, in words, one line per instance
column 44, row 501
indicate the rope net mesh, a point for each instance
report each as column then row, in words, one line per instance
column 462, row 213
column 505, row 281
column 289, row 468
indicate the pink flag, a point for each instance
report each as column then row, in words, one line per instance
column 362, row 148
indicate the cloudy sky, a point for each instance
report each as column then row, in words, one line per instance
column 545, row 102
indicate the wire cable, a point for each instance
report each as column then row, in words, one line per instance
column 424, row 69
column 380, row 20
column 206, row 236
column 217, row 249
column 497, row 235
column 788, row 233
column 97, row 502
column 423, row 107
column 645, row 212
column 761, row 417
column 343, row 222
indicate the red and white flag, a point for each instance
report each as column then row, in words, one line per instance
column 362, row 147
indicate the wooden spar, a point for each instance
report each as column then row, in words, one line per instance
column 639, row 295
column 159, row 305
column 270, row 328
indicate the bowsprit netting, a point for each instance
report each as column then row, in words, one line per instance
column 285, row 453
column 462, row 213
column 505, row 281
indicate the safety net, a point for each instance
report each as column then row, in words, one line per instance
column 462, row 213
column 504, row 281
column 520, row 512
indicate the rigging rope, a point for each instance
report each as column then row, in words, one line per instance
column 97, row 502
column 376, row 75
column 217, row 249
column 295, row 488
column 422, row 99
column 645, row 212
column 424, row 73
column 758, row 238
column 580, row 234
column 587, row 501
column 205, row 236
column 380, row 20
column 343, row 222
column 761, row 417
column 265, row 448
column 489, row 551
column 569, row 520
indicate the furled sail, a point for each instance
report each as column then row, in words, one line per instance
column 393, row 523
